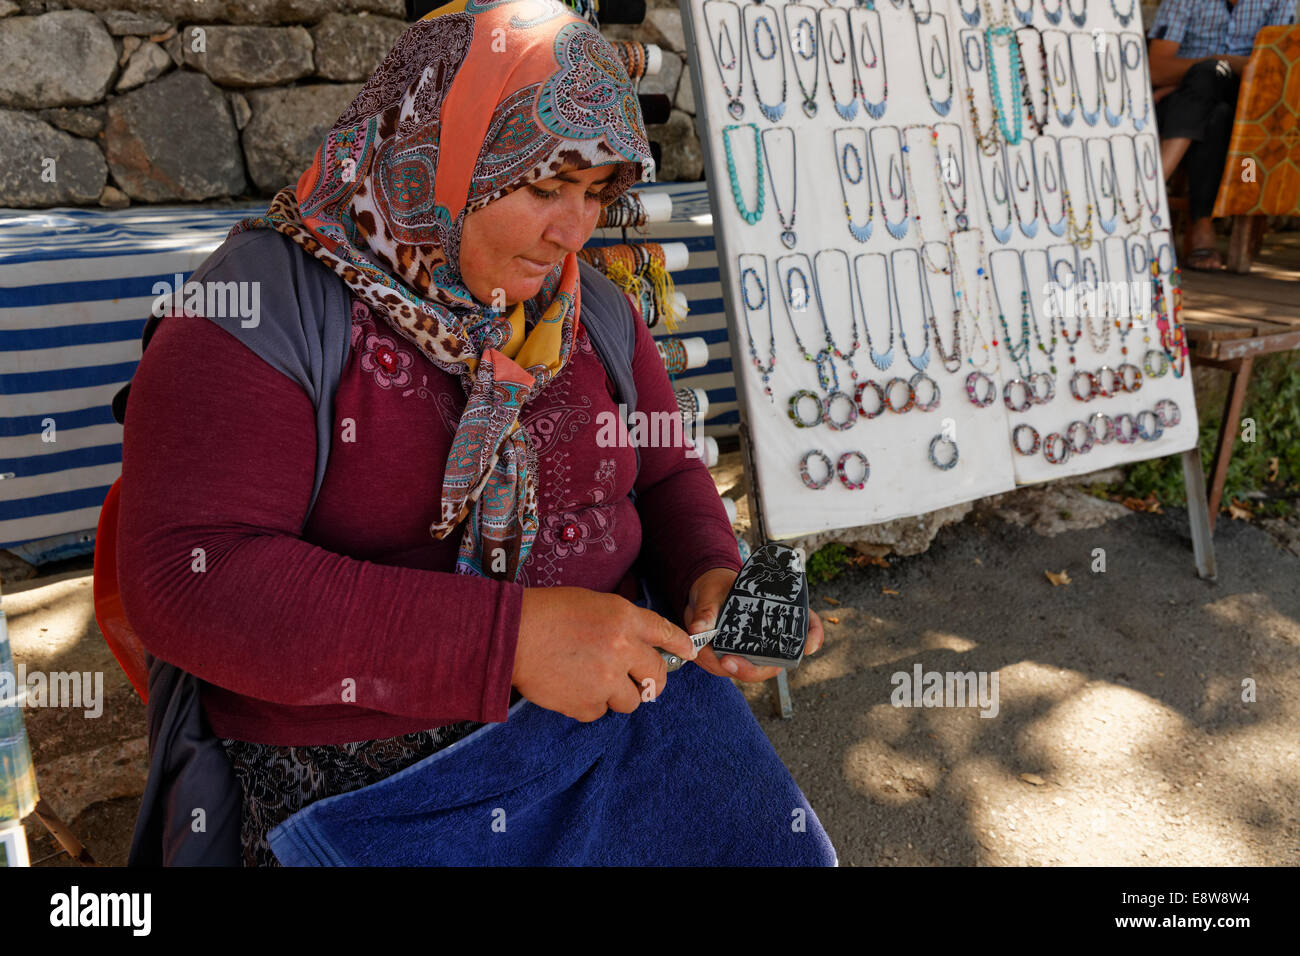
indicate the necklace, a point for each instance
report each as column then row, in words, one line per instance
column 1100, row 340
column 1048, row 182
column 971, row 16
column 874, row 110
column 847, row 357
column 952, row 173
column 1129, row 43
column 798, row 302
column 1089, row 118
column 967, row 304
column 1107, row 188
column 735, row 106
column 1150, row 196
column 1080, row 236
column 749, row 216
column 764, row 369
column 939, row 61
column 1133, row 222
column 1108, row 72
column 986, row 140
column 1049, row 351
column 1023, row 182
column 807, row 51
column 849, row 111
column 1053, row 17
column 918, row 362
column 1037, row 116
column 1173, row 339
column 1066, row 288
column 1060, row 79
column 1000, row 108
column 1019, row 355
column 1123, row 18
column 952, row 358
column 1078, row 19
column 787, row 229
column 881, row 360
column 761, row 17
column 897, row 188
column 849, row 152
column 1026, row 16
column 992, row 199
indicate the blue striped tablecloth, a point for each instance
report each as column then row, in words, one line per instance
column 75, row 290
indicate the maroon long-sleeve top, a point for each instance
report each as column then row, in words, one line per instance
column 358, row 628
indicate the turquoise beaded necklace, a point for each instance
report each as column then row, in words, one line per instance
column 749, row 216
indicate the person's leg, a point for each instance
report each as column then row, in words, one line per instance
column 1194, row 122
column 1205, row 161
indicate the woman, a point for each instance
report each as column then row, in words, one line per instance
column 466, row 556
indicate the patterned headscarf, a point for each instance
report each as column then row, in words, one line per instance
column 521, row 89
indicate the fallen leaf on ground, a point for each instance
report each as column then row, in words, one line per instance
column 830, row 600
column 1056, row 579
column 1033, row 778
column 1238, row 509
column 888, row 591
column 831, row 620
column 978, row 561
column 872, row 559
column 1272, row 469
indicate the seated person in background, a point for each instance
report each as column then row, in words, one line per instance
column 1197, row 53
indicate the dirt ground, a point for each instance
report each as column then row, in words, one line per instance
column 1121, row 735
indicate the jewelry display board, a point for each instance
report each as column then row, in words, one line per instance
column 943, row 244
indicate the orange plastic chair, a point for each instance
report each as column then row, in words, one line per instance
column 109, row 614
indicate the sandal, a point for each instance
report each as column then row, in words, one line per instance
column 1199, row 259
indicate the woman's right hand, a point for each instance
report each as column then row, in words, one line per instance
column 582, row 652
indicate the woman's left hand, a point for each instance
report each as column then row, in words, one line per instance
column 704, row 603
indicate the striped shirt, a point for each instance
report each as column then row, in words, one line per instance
column 1212, row 28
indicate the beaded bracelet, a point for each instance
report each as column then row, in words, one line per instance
column 826, row 411
column 688, row 404
column 933, row 403
column 1110, row 427
column 1006, row 394
column 935, row 461
column 1085, row 444
column 841, row 469
column 1032, row 388
column 971, row 381
column 673, row 354
column 1164, row 362
column 807, row 478
column 1015, row 439
column 1115, row 382
column 1120, row 419
column 911, row 395
column 1047, row 448
column 1155, row 419
column 1092, row 385
column 794, row 409
column 1167, row 412
column 1123, row 379
column 881, row 401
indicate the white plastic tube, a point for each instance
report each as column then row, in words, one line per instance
column 654, row 59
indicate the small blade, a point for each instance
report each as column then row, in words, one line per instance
column 700, row 640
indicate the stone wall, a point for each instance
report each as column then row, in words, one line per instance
column 114, row 102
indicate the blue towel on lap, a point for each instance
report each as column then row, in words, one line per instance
column 689, row 779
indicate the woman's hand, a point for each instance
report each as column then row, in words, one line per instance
column 704, row 603
column 581, row 652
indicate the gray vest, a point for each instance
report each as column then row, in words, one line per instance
column 305, row 333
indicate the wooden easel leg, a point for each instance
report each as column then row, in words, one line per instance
column 1240, row 253
column 784, row 706
column 1228, row 432
column 1198, row 514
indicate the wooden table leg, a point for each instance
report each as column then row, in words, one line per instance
column 1244, row 241
column 1199, row 515
column 1228, row 432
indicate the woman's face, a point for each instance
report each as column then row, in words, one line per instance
column 508, row 247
